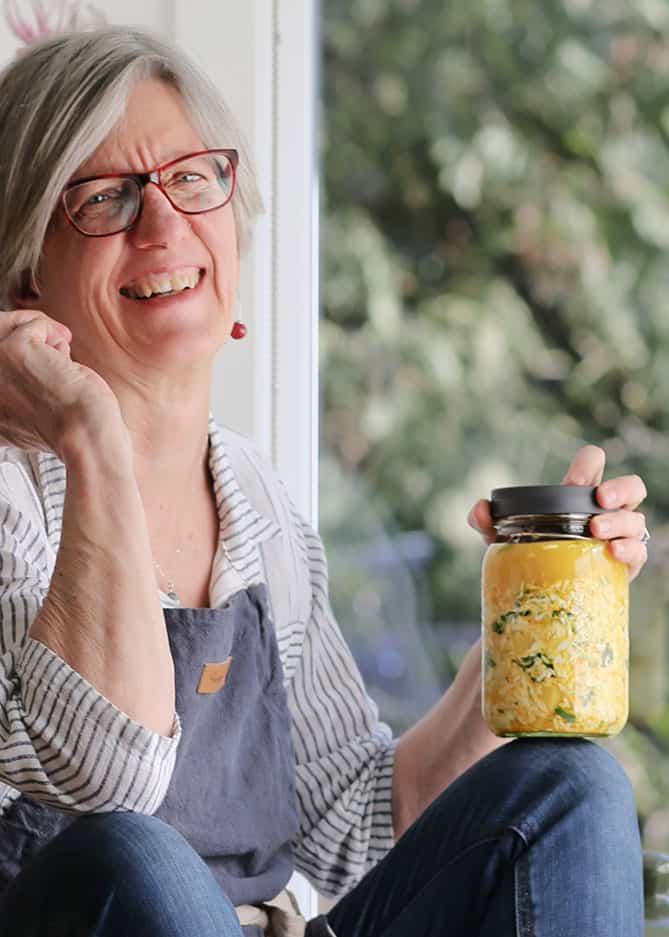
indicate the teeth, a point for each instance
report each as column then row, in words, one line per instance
column 162, row 283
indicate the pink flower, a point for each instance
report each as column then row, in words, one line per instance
column 39, row 23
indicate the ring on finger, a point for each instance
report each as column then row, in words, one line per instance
column 645, row 536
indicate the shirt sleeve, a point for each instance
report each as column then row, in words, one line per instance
column 344, row 754
column 61, row 741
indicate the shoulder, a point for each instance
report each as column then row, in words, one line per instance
column 257, row 477
column 240, row 449
column 267, row 493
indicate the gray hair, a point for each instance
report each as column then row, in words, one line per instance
column 59, row 100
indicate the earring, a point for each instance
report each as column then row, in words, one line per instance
column 238, row 330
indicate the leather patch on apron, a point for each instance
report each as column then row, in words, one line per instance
column 214, row 676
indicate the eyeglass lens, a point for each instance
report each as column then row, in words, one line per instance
column 194, row 184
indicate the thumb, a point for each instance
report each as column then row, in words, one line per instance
column 587, row 467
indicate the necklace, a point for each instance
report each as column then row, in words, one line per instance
column 171, row 591
column 169, row 581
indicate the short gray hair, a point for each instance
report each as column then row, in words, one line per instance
column 59, row 100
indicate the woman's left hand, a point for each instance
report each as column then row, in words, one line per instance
column 624, row 526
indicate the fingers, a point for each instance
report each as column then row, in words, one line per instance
column 37, row 334
column 587, row 467
column 632, row 553
column 626, row 492
column 480, row 519
column 621, row 524
column 54, row 334
column 623, row 529
column 58, row 336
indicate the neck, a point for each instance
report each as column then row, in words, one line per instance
column 172, row 471
column 166, row 415
column 171, row 448
column 165, row 408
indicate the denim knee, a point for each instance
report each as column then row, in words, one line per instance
column 589, row 770
column 530, row 784
column 126, row 839
column 133, row 843
column 148, row 863
column 587, row 779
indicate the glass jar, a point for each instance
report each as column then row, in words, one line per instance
column 555, row 612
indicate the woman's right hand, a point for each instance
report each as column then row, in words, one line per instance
column 46, row 399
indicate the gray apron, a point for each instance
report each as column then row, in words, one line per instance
column 232, row 794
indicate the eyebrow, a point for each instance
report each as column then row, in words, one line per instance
column 98, row 173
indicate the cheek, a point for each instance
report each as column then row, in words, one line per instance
column 225, row 267
column 76, row 277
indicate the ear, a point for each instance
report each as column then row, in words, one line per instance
column 25, row 293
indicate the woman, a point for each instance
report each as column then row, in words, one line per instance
column 168, row 755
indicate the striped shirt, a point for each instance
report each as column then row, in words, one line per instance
column 63, row 743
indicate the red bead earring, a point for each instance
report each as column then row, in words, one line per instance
column 239, row 330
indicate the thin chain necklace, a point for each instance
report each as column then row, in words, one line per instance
column 171, row 591
column 169, row 581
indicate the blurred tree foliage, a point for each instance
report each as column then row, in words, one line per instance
column 495, row 285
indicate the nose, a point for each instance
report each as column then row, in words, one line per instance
column 159, row 222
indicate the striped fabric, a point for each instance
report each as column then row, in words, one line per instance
column 64, row 743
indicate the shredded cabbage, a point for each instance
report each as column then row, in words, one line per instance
column 555, row 639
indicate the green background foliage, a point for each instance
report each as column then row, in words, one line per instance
column 495, row 291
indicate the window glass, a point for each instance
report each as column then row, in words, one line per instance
column 495, row 226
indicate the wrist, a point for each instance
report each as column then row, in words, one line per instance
column 107, row 446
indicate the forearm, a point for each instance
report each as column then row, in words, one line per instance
column 442, row 745
column 102, row 613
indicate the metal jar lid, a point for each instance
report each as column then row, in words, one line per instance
column 544, row 499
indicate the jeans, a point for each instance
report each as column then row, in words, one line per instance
column 117, row 875
column 538, row 839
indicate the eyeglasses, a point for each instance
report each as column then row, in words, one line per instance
column 193, row 184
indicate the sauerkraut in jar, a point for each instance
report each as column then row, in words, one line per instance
column 555, row 618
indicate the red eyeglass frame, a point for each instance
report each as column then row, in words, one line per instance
column 143, row 179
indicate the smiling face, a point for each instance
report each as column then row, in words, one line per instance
column 97, row 285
